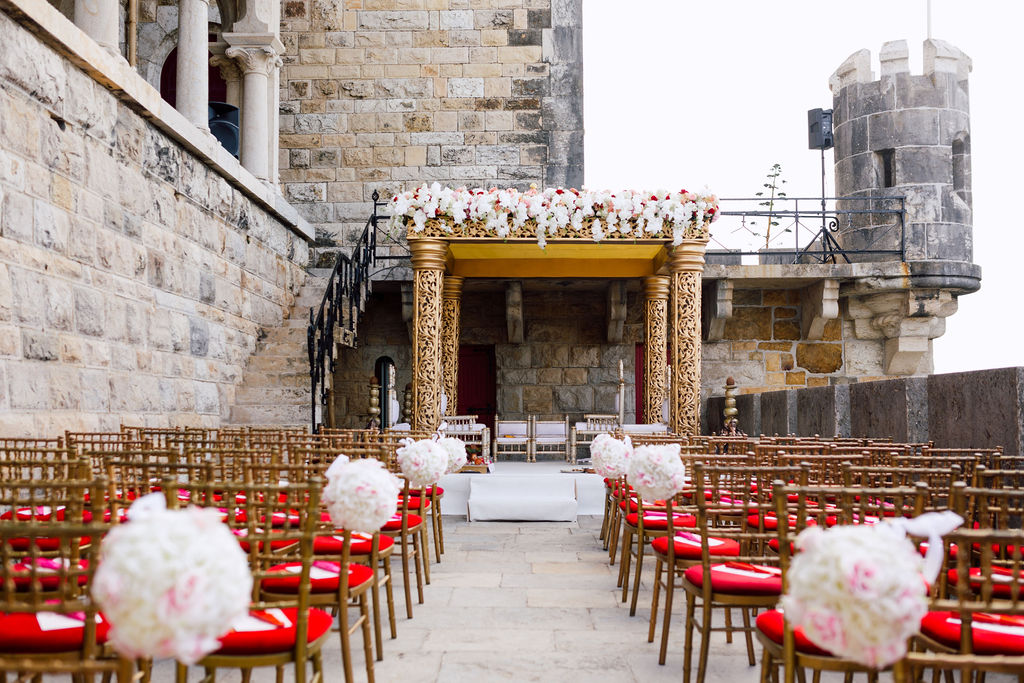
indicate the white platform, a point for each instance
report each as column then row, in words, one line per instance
column 512, row 480
column 530, row 498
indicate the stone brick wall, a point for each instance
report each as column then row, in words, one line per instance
column 761, row 347
column 134, row 280
column 388, row 94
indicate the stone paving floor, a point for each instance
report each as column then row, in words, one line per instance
column 527, row 601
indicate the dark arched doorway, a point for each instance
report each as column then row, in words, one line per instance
column 169, row 81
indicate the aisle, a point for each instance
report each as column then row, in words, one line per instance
column 531, row 602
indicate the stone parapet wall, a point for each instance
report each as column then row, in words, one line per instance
column 388, row 94
column 135, row 275
column 981, row 409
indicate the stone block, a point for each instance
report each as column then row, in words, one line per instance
column 40, row 345
column 981, row 409
column 823, row 411
column 550, row 355
column 779, row 412
column 551, row 376
column 29, row 389
column 819, row 358
column 575, row 376
column 748, row 322
column 89, row 312
column 465, row 87
column 537, row 399
column 585, row 356
column 574, row 399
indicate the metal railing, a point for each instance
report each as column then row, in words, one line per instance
column 810, row 225
column 347, row 289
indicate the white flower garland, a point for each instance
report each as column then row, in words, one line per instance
column 640, row 214
column 423, row 462
column 456, row 450
column 171, row 582
column 610, row 456
column 656, row 472
column 860, row 591
column 360, row 495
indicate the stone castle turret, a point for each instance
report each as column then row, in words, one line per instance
column 906, row 135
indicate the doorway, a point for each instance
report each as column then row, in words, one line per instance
column 478, row 384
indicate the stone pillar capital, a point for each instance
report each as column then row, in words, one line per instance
column 260, row 60
column 229, row 70
column 428, row 254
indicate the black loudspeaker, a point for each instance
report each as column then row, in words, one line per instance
column 224, row 126
column 819, row 129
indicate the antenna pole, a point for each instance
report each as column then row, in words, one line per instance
column 928, row 3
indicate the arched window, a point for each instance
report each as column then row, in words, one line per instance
column 384, row 372
column 169, row 81
column 962, row 167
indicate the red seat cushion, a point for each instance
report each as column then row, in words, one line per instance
column 414, row 503
column 687, row 546
column 20, row 632
column 323, row 577
column 429, row 491
column 770, row 624
column 771, row 522
column 987, row 637
column 395, row 523
column 362, row 544
column 1002, row 581
column 47, row 574
column 735, row 579
column 279, row 639
column 655, row 520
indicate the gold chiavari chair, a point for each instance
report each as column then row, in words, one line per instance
column 48, row 622
column 72, row 501
column 42, row 464
column 822, row 506
column 939, row 481
column 1011, row 478
column 722, row 477
column 975, row 622
column 275, row 524
column 731, row 509
column 966, row 460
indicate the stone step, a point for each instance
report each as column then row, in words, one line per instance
column 286, row 349
column 269, row 415
column 275, row 379
column 288, row 334
column 271, row 395
column 290, row 363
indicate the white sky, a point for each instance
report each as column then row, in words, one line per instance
column 681, row 93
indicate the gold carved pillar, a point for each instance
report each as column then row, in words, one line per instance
column 450, row 313
column 428, row 263
column 655, row 338
column 686, row 264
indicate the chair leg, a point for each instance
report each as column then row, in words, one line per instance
column 728, row 626
column 417, row 558
column 440, row 527
column 749, row 632
column 624, row 561
column 614, row 529
column 670, row 589
column 405, row 576
column 641, row 548
column 705, row 641
column 377, row 635
column 346, row 646
column 766, row 666
column 437, row 535
column 424, row 548
column 688, row 643
column 364, row 615
column 655, row 598
column 389, row 586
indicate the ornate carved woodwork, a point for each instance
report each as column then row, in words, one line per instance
column 450, row 314
column 428, row 263
column 686, row 264
column 656, row 290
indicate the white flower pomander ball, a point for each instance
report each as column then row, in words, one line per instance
column 360, row 495
column 610, row 456
column 456, row 450
column 171, row 582
column 423, row 462
column 857, row 591
column 656, row 472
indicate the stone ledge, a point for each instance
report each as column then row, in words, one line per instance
column 115, row 74
column 862, row 277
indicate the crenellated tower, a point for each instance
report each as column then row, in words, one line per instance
column 906, row 135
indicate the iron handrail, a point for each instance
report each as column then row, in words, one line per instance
column 826, row 220
column 347, row 288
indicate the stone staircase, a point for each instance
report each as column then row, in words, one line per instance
column 275, row 385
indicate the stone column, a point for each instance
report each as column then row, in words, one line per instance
column 99, row 19
column 428, row 263
column 686, row 264
column 656, row 290
column 232, row 76
column 451, row 329
column 193, row 95
column 257, row 63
